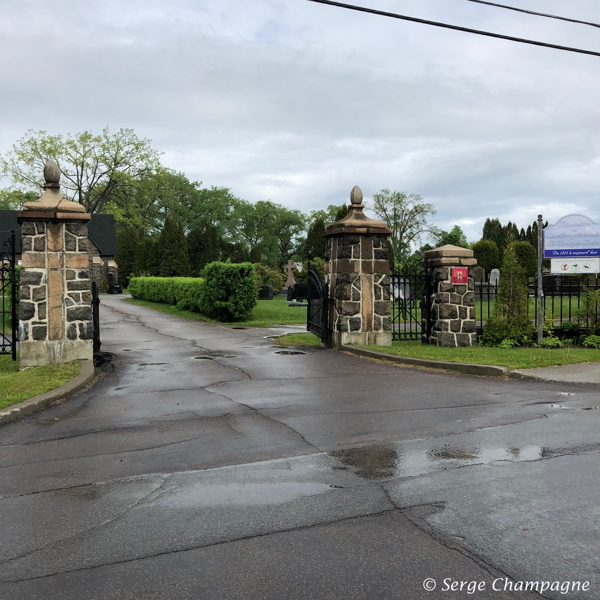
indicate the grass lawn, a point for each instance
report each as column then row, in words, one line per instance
column 265, row 314
column 513, row 358
column 300, row 339
column 16, row 385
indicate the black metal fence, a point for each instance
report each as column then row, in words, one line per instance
column 565, row 296
column 96, row 318
column 317, row 314
column 410, row 293
column 8, row 297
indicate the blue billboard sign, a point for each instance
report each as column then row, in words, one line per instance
column 572, row 236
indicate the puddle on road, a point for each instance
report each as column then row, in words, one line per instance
column 290, row 352
column 151, row 364
column 203, row 357
column 392, row 460
column 239, row 328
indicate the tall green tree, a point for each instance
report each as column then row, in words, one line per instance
column 93, row 167
column 174, row 260
column 406, row 215
column 315, row 242
column 455, row 237
column 128, row 240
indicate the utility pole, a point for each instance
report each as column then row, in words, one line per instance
column 540, row 289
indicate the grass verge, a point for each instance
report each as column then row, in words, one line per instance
column 513, row 358
column 299, row 339
column 16, row 386
column 265, row 314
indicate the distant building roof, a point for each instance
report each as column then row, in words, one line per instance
column 101, row 230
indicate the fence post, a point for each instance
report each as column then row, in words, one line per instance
column 540, row 289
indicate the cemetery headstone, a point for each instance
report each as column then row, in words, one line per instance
column 494, row 277
column 291, row 265
column 265, row 292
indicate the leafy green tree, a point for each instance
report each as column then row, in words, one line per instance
column 14, row 199
column 315, row 242
column 455, row 237
column 487, row 254
column 527, row 257
column 406, row 215
column 142, row 253
column 93, row 167
column 174, row 260
column 331, row 215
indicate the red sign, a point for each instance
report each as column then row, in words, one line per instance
column 460, row 275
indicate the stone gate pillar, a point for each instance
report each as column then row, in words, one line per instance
column 357, row 272
column 453, row 296
column 55, row 308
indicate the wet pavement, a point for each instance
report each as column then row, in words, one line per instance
column 205, row 463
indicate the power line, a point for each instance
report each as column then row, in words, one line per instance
column 455, row 27
column 538, row 14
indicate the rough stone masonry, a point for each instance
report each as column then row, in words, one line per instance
column 55, row 299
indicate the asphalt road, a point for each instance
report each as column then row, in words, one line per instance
column 207, row 464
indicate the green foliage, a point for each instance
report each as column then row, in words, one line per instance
column 550, row 341
column 95, row 168
column 315, row 242
column 455, row 237
column 183, row 292
column 203, row 248
column 510, row 319
column 592, row 341
column 588, row 312
column 507, row 343
column 229, row 291
column 548, row 321
column 266, row 276
column 14, row 199
column 173, row 248
column 487, row 254
column 406, row 215
column 527, row 257
column 570, row 326
column 127, row 245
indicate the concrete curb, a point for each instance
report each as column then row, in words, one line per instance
column 469, row 369
column 16, row 411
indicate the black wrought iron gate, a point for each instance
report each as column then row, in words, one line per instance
column 317, row 320
column 8, row 297
column 96, row 318
column 410, row 293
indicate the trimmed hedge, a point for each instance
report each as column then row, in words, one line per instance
column 229, row 291
column 226, row 293
column 183, row 292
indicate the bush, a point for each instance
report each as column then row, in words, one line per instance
column 592, row 341
column 487, row 254
column 588, row 312
column 266, row 276
column 527, row 257
column 229, row 291
column 183, row 292
column 510, row 319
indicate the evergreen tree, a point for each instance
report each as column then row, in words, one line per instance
column 140, row 264
column 342, row 211
column 315, row 242
column 127, row 242
column 153, row 258
column 174, row 256
column 487, row 255
column 196, row 241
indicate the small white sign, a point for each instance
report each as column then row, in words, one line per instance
column 566, row 266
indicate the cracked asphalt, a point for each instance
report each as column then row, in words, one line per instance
column 203, row 464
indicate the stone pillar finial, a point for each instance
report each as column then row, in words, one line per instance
column 51, row 173
column 356, row 196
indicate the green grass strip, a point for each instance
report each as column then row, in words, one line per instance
column 513, row 358
column 16, row 386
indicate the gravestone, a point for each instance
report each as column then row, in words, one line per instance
column 291, row 265
column 478, row 274
column 265, row 292
column 494, row 277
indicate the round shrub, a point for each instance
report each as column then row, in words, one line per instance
column 229, row 291
column 487, row 254
column 527, row 257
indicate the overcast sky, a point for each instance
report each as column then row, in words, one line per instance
column 296, row 102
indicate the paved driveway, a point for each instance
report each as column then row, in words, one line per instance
column 207, row 464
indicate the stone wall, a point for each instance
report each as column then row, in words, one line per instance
column 357, row 272
column 55, row 308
